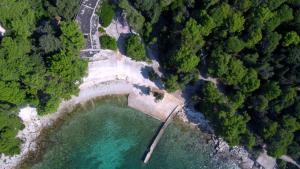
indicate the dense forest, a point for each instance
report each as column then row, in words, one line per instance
column 39, row 60
column 250, row 47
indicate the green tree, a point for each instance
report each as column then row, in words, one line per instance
column 49, row 43
column 135, row 19
column 260, row 103
column 254, row 37
column 171, row 83
column 232, row 126
column 218, row 62
column 271, row 90
column 67, row 67
column 286, row 99
column 294, row 150
column 236, row 22
column 297, row 110
column 14, row 60
column 250, row 59
column 10, row 92
column 209, row 3
column 293, row 55
column 250, row 140
column 243, row 5
column 67, row 9
column 235, row 45
column 236, row 72
column 135, row 48
column 207, row 23
column 280, row 142
column 290, row 123
column 273, row 4
column 17, row 17
column 72, row 39
column 236, row 101
column 261, row 16
column 106, row 13
column 191, row 35
column 269, row 129
column 184, row 60
column 291, row 38
column 184, row 57
column 283, row 14
column 220, row 13
column 10, row 125
column 270, row 42
column 108, row 42
column 211, row 93
column 250, row 82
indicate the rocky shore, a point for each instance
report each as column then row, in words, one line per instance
column 222, row 150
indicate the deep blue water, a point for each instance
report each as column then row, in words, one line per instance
column 111, row 136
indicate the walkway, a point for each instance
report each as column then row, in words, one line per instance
column 160, row 133
column 290, row 160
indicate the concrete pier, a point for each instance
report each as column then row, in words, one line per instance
column 160, row 133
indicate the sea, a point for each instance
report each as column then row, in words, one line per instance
column 106, row 134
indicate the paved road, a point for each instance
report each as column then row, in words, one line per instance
column 88, row 22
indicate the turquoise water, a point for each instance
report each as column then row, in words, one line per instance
column 111, row 136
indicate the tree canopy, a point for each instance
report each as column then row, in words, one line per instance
column 134, row 48
column 39, row 61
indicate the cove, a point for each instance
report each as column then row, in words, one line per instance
column 109, row 135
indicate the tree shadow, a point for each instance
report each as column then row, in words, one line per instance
column 148, row 73
column 121, row 42
column 143, row 89
column 153, row 52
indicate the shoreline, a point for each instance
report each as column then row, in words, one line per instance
column 123, row 78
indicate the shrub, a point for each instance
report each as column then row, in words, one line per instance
column 134, row 48
column 158, row 96
column 108, row 42
column 106, row 13
column 101, row 30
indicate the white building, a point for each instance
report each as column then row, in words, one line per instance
column 2, row 30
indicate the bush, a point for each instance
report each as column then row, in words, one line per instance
column 158, row 96
column 106, row 13
column 101, row 30
column 134, row 48
column 108, row 42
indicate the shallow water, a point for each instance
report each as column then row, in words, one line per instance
column 111, row 136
